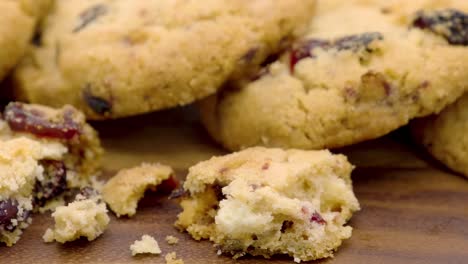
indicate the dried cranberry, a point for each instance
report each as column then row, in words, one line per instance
column 89, row 15
column 53, row 184
column 450, row 24
column 353, row 43
column 317, row 218
column 305, row 49
column 8, row 212
column 167, row 186
column 99, row 105
column 34, row 122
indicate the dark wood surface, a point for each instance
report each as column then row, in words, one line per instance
column 413, row 210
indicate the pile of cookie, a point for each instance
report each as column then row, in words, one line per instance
column 278, row 81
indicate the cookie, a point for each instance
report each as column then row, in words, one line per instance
column 444, row 135
column 17, row 25
column 146, row 245
column 363, row 69
column 123, row 191
column 85, row 217
column 121, row 58
column 270, row 201
column 45, row 154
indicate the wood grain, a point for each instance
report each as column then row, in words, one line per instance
column 413, row 210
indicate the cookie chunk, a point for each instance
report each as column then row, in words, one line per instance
column 85, row 217
column 363, row 69
column 125, row 189
column 125, row 57
column 17, row 25
column 172, row 240
column 269, row 201
column 444, row 135
column 146, row 245
column 45, row 154
column 171, row 258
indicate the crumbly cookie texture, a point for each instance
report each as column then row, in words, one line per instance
column 444, row 135
column 270, row 201
column 172, row 240
column 85, row 217
column 17, row 24
column 363, row 69
column 171, row 258
column 98, row 55
column 146, row 245
column 124, row 190
column 44, row 155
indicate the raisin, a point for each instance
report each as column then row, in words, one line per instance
column 354, row 43
column 317, row 218
column 90, row 15
column 450, row 24
column 8, row 212
column 286, row 225
column 357, row 42
column 53, row 184
column 99, row 105
column 35, row 122
column 218, row 189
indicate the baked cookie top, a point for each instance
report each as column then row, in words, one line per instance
column 17, row 24
column 264, row 202
column 363, row 69
column 125, row 57
column 444, row 135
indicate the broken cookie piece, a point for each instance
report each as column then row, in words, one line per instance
column 146, row 245
column 172, row 240
column 45, row 154
column 85, row 217
column 125, row 189
column 171, row 258
column 264, row 202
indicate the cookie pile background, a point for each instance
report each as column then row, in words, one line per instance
column 238, row 124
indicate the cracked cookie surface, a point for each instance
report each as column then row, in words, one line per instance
column 264, row 202
column 120, row 58
column 363, row 69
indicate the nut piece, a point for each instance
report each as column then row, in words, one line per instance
column 146, row 245
column 125, row 189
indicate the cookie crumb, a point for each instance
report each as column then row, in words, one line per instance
column 171, row 258
column 172, row 240
column 85, row 217
column 146, row 245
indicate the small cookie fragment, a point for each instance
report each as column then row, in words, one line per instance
column 85, row 217
column 125, row 189
column 146, row 245
column 171, row 258
column 172, row 240
column 264, row 202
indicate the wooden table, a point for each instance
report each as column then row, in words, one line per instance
column 413, row 210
